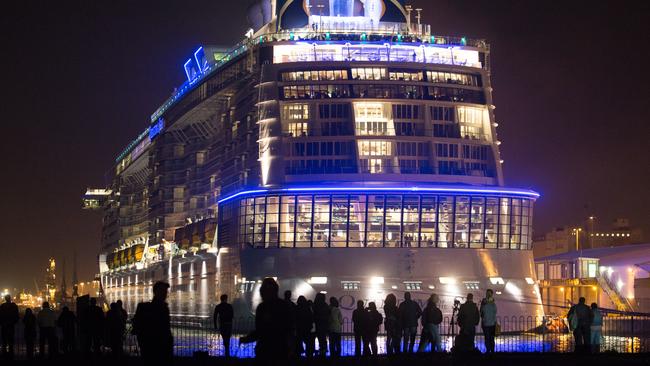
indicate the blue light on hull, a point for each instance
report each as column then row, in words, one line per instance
column 441, row 189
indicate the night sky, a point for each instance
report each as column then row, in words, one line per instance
column 80, row 80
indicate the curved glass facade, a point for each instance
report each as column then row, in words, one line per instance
column 321, row 220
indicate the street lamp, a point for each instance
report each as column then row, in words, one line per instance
column 576, row 232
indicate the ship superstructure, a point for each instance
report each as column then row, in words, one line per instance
column 340, row 147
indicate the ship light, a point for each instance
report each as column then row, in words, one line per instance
column 497, row 281
column 431, row 287
column 377, row 280
column 447, row 280
column 318, row 280
column 530, row 281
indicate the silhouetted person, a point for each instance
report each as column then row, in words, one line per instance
column 304, row 323
column 321, row 320
column 409, row 313
column 151, row 324
column 116, row 326
column 359, row 319
column 582, row 332
column 120, row 306
column 9, row 317
column 431, row 319
column 294, row 350
column 29, row 332
column 223, row 316
column 468, row 318
column 489, row 320
column 596, row 328
column 335, row 327
column 47, row 328
column 95, row 325
column 391, row 325
column 68, row 323
column 272, row 325
column 371, row 329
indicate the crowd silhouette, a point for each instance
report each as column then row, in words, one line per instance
column 283, row 330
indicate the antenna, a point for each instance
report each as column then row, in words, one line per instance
column 409, row 9
column 419, row 16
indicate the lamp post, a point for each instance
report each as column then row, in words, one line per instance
column 576, row 232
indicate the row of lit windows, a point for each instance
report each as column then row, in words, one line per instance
column 315, row 75
column 445, row 221
column 322, row 91
column 323, row 148
column 378, row 73
column 382, row 165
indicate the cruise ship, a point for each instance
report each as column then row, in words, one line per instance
column 340, row 147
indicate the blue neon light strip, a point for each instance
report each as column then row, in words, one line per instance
column 524, row 193
column 187, row 73
column 198, row 63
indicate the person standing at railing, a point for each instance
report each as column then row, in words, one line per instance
column 596, row 328
column 391, row 325
column 321, row 320
column 272, row 325
column 431, row 320
column 304, row 323
column 67, row 321
column 29, row 332
column 409, row 313
column 152, row 326
column 47, row 331
column 223, row 315
column 116, row 326
column 468, row 319
column 335, row 327
column 489, row 320
column 359, row 319
column 580, row 316
column 372, row 323
column 9, row 317
column 294, row 350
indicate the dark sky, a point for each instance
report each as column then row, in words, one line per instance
column 80, row 79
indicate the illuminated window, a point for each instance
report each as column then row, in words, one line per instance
column 375, row 148
column 452, row 78
column 369, row 73
column 413, row 285
column 373, row 119
column 315, row 75
column 471, row 285
column 295, row 111
column 350, row 285
column 406, row 76
column 297, row 129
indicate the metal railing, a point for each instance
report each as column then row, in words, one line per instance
column 621, row 332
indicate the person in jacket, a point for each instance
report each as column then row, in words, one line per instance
column 489, row 320
column 29, row 333
column 46, row 319
column 468, row 319
column 373, row 321
column 9, row 317
column 359, row 316
column 583, row 315
column 116, row 326
column 431, row 320
column 321, row 320
column 391, row 325
column 68, row 323
column 222, row 319
column 304, row 324
column 152, row 326
column 596, row 328
column 335, row 327
column 272, row 325
column 409, row 313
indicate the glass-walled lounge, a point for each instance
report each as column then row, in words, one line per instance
column 385, row 220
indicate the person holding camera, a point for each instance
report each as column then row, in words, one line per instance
column 489, row 320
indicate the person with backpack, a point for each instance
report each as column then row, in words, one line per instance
column 580, row 316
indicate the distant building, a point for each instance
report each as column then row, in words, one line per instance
column 563, row 239
column 615, row 277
